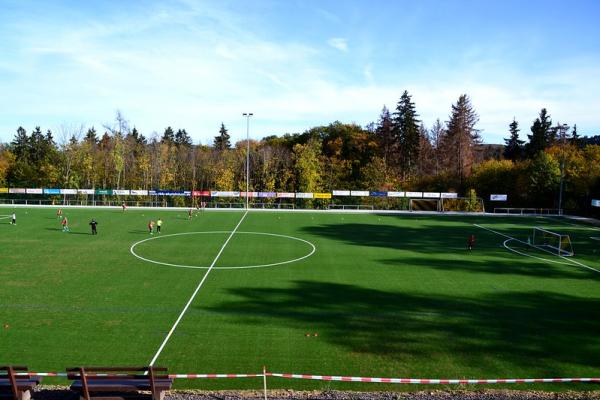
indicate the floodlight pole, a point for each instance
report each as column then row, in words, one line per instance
column 563, row 136
column 247, row 115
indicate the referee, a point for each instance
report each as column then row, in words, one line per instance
column 93, row 224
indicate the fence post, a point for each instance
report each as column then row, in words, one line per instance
column 265, row 380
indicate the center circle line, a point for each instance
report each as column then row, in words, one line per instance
column 132, row 251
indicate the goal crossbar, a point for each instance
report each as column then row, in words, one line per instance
column 552, row 242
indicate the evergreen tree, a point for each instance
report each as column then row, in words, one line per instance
column 222, row 141
column 168, row 136
column 20, row 145
column 462, row 137
column 541, row 134
column 91, row 137
column 50, row 140
column 406, row 132
column 182, row 138
column 138, row 137
column 575, row 139
column 513, row 149
column 37, row 145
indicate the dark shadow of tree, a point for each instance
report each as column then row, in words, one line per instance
column 432, row 238
column 540, row 330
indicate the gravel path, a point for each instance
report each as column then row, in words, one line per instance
column 62, row 393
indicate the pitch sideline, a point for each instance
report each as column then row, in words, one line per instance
column 577, row 225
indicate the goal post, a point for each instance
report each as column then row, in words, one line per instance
column 552, row 242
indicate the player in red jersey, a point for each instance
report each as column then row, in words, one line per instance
column 65, row 224
column 471, row 242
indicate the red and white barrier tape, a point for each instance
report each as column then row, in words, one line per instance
column 417, row 381
column 429, row 381
column 214, row 376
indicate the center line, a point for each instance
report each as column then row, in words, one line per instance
column 195, row 292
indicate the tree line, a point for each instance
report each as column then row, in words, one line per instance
column 397, row 152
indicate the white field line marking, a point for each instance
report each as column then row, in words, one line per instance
column 592, row 228
column 573, row 262
column 196, row 291
column 520, row 241
column 529, row 255
column 581, row 264
column 132, row 250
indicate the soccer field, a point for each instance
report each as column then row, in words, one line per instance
column 378, row 295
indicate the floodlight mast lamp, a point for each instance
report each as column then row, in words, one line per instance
column 247, row 115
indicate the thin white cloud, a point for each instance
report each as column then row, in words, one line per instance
column 338, row 43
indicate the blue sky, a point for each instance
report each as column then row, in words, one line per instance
column 294, row 64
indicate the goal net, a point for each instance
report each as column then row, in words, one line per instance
column 552, row 242
column 424, row 205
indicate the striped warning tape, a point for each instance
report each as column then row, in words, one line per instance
column 214, row 376
column 430, row 381
column 418, row 381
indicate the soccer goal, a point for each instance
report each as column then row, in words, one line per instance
column 424, row 205
column 552, row 242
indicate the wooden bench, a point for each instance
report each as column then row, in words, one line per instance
column 17, row 387
column 119, row 382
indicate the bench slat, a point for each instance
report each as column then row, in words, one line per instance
column 113, row 369
column 85, row 382
column 93, row 384
column 116, row 377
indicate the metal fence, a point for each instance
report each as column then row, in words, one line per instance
column 349, row 207
column 527, row 211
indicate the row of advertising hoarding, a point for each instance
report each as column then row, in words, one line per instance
column 419, row 195
column 212, row 193
column 109, row 192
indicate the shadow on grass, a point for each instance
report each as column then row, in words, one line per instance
column 497, row 267
column 543, row 331
column 68, row 232
column 433, row 240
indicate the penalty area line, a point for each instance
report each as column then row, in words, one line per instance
column 570, row 260
column 578, row 226
column 162, row 346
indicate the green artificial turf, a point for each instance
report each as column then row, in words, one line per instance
column 386, row 296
